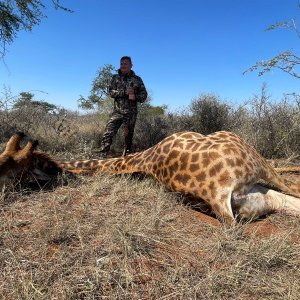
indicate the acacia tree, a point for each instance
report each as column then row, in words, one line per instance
column 26, row 100
column 286, row 61
column 99, row 91
column 17, row 15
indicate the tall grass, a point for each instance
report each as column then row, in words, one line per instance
column 122, row 238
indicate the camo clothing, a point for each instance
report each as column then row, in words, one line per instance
column 125, row 110
column 117, row 90
column 112, row 127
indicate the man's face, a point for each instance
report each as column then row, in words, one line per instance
column 125, row 66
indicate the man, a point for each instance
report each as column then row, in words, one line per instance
column 127, row 89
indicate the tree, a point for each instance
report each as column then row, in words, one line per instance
column 17, row 15
column 26, row 101
column 286, row 61
column 99, row 90
column 209, row 114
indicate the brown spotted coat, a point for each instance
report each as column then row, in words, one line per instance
column 209, row 167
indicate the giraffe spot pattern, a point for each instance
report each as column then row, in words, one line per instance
column 195, row 157
column 215, row 169
column 184, row 160
column 224, row 179
column 194, row 168
column 174, row 154
column 182, row 178
column 201, row 176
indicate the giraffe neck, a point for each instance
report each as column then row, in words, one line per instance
column 132, row 163
column 44, row 163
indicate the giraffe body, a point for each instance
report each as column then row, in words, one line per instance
column 211, row 167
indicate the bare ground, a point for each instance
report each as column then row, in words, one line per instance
column 127, row 238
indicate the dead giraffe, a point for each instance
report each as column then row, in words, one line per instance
column 23, row 163
column 211, row 167
column 18, row 163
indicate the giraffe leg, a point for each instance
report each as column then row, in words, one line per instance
column 223, row 210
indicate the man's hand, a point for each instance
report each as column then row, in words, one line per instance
column 130, row 93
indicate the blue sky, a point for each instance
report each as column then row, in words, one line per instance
column 181, row 48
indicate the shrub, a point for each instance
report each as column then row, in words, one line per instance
column 209, row 114
column 273, row 128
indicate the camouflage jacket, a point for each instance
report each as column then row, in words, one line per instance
column 118, row 87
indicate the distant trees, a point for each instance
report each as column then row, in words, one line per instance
column 25, row 100
column 286, row 61
column 17, row 15
column 272, row 127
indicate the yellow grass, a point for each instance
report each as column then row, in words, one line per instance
column 127, row 238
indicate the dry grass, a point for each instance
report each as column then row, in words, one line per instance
column 127, row 238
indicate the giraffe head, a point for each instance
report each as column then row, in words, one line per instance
column 20, row 163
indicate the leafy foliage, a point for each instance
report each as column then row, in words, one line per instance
column 99, row 90
column 209, row 114
column 273, row 127
column 151, row 127
column 286, row 61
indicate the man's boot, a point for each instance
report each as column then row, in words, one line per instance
column 102, row 155
column 126, row 152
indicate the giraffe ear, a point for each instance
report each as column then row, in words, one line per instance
column 40, row 175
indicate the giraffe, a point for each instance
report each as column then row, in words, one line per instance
column 212, row 168
column 16, row 162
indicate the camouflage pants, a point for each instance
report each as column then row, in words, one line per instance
column 112, row 127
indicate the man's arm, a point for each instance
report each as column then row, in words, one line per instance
column 113, row 90
column 141, row 94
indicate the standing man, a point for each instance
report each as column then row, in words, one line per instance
column 127, row 89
